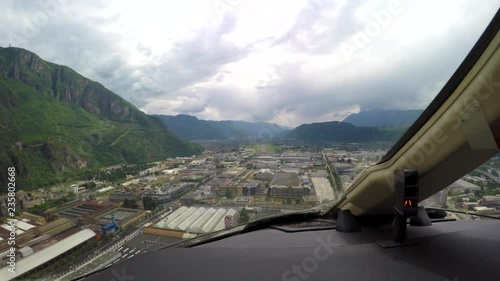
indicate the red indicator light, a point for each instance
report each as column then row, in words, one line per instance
column 408, row 203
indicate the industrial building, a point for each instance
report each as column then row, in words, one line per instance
column 163, row 196
column 490, row 200
column 110, row 227
column 250, row 188
column 287, row 185
column 55, row 227
column 265, row 175
column 198, row 219
column 236, row 190
column 118, row 197
column 282, row 179
column 122, row 217
column 290, row 192
column 56, row 250
column 84, row 210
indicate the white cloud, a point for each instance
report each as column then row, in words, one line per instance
column 280, row 61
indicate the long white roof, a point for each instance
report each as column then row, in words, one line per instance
column 189, row 220
column 26, row 264
column 213, row 220
column 202, row 220
column 198, row 219
column 24, row 226
column 172, row 216
column 175, row 222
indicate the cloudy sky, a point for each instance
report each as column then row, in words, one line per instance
column 284, row 61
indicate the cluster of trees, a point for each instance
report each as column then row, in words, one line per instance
column 41, row 208
column 149, row 203
column 335, row 181
column 228, row 194
column 219, row 168
column 114, row 174
column 485, row 191
column 243, row 216
column 89, row 185
column 129, row 203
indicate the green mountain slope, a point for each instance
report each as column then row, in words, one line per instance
column 261, row 129
column 188, row 127
column 191, row 128
column 342, row 132
column 384, row 118
column 55, row 122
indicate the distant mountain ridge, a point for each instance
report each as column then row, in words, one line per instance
column 189, row 127
column 336, row 131
column 383, row 118
column 56, row 122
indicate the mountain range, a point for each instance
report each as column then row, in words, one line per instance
column 383, row 118
column 366, row 126
column 336, row 131
column 188, row 127
column 55, row 122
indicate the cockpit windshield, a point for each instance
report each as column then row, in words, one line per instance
column 130, row 126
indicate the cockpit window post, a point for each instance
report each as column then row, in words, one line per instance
column 405, row 201
column 405, row 205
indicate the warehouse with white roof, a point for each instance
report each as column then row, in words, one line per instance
column 197, row 219
column 163, row 223
column 213, row 221
column 175, row 222
column 191, row 219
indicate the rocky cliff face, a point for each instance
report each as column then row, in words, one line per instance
column 66, row 122
column 64, row 84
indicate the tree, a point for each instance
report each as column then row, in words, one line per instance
column 89, row 185
column 228, row 194
column 477, row 193
column 129, row 203
column 243, row 216
column 149, row 203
